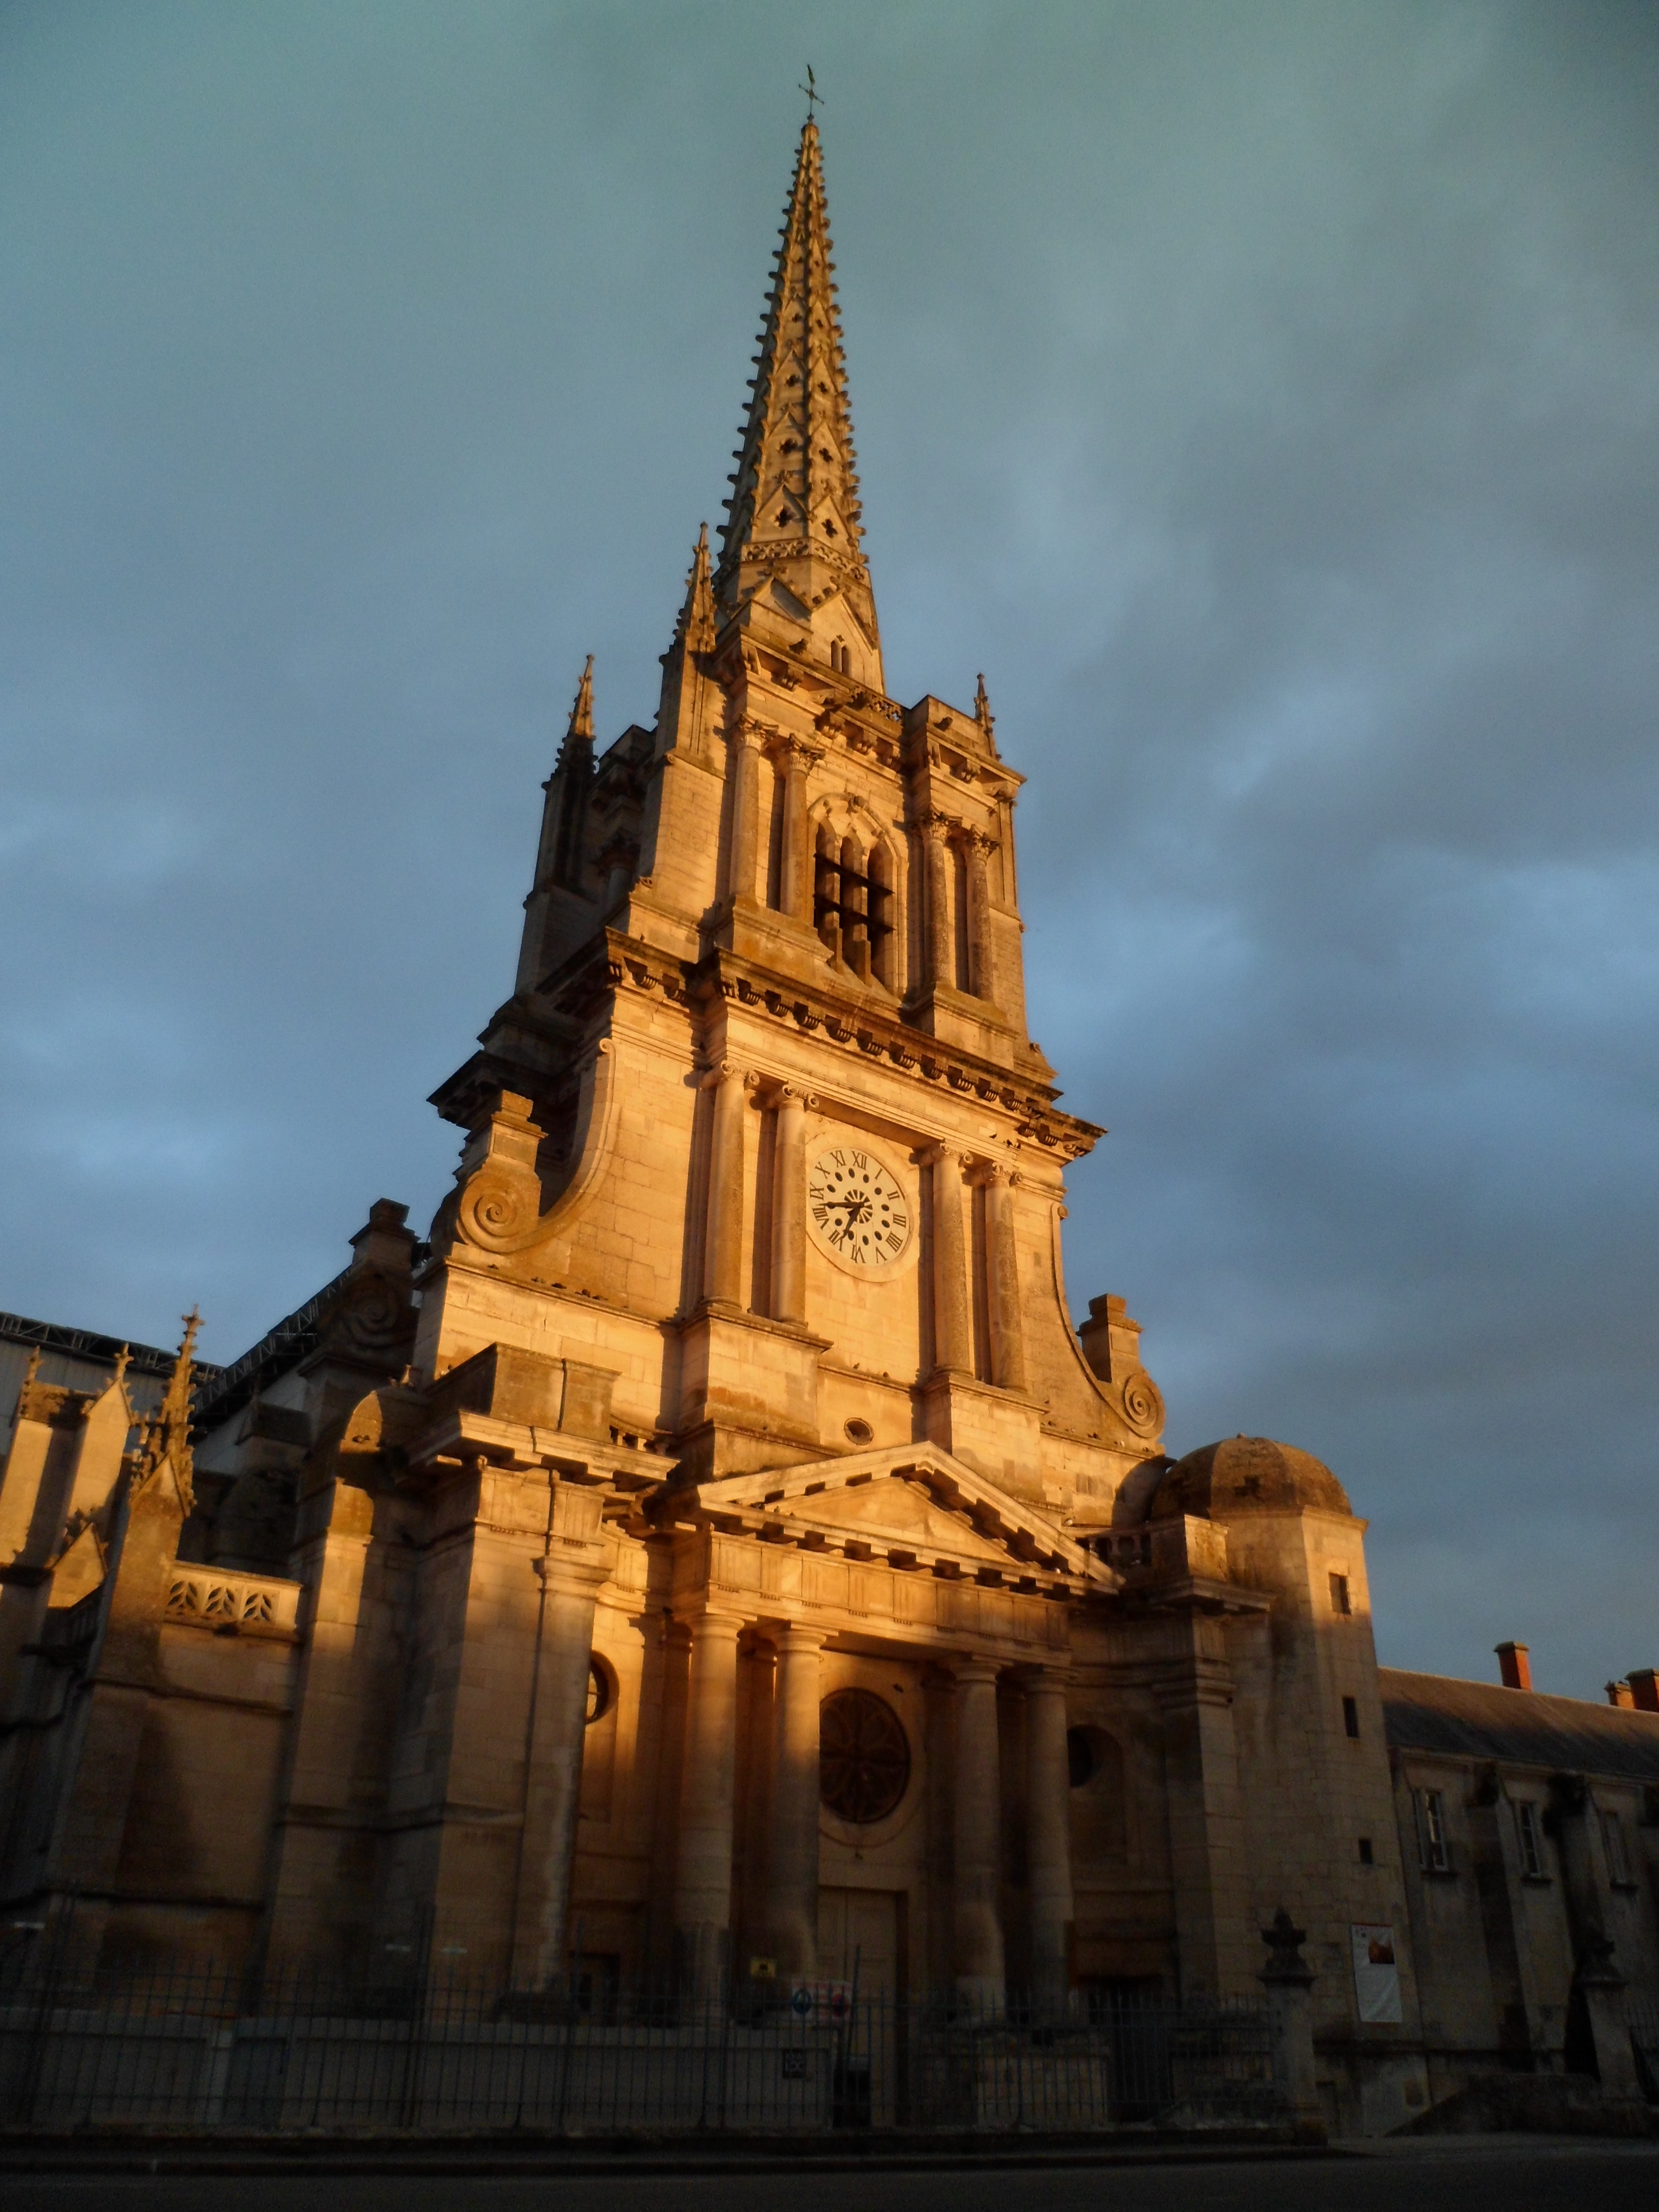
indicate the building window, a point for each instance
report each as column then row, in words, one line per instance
column 1367, row 1856
column 1350, row 1716
column 1340, row 1601
column 851, row 905
column 1531, row 1837
column 1432, row 1831
column 1612, row 1837
column 864, row 1758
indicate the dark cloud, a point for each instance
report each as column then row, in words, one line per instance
column 1265, row 396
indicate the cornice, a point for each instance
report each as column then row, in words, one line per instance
column 856, row 1027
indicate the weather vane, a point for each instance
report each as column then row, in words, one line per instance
column 814, row 97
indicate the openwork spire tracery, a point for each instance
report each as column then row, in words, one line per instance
column 795, row 509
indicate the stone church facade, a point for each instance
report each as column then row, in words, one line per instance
column 716, row 1543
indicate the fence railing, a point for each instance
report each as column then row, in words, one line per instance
column 196, row 2049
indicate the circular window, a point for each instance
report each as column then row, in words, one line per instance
column 598, row 1693
column 1082, row 1757
column 858, row 1432
column 864, row 1756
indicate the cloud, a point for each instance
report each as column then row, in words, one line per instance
column 1266, row 400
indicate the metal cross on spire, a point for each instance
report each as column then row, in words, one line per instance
column 814, row 97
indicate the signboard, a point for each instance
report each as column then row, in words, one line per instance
column 821, row 2004
column 1375, row 1974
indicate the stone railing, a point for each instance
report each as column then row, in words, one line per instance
column 232, row 1604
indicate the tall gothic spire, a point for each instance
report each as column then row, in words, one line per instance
column 793, row 513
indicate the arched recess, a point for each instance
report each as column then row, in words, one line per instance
column 1100, row 1813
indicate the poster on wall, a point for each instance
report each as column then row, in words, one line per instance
column 1376, row 1973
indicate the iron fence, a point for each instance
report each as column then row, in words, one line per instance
column 196, row 2048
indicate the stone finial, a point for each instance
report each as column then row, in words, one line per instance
column 985, row 718
column 166, row 1437
column 1283, row 1940
column 695, row 629
column 582, row 712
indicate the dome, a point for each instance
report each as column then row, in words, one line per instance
column 1247, row 1474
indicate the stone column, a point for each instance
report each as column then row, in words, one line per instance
column 977, row 1916
column 796, row 758
column 938, row 964
column 981, row 948
column 791, row 1885
column 553, row 1785
column 789, row 1206
column 1002, row 1280
column 954, row 1346
column 722, row 1265
column 743, row 769
column 1048, row 1830
column 702, row 1884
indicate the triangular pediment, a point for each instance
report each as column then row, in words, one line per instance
column 908, row 1501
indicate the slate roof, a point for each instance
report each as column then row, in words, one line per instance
column 1483, row 1720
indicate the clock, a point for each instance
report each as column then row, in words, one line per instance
column 857, row 1209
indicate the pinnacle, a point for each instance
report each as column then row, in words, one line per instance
column 581, row 713
column 794, row 501
column 696, row 627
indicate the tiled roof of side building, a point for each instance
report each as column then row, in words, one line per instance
column 1485, row 1720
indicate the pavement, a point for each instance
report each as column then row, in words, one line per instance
column 1487, row 2173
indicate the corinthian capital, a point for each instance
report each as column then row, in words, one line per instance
column 795, row 754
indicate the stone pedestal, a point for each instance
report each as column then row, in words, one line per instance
column 1289, row 1982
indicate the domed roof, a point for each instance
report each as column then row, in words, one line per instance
column 1247, row 1474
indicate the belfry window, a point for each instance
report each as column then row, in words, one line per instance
column 852, row 904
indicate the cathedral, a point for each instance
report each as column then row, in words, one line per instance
column 712, row 1548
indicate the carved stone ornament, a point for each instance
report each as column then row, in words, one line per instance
column 1143, row 1403
column 500, row 1202
column 373, row 1313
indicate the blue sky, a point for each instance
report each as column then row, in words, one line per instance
column 1263, row 395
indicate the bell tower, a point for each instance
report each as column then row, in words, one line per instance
column 762, row 1127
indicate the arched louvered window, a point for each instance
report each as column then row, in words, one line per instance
column 852, row 904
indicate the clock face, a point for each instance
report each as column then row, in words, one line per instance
column 857, row 1209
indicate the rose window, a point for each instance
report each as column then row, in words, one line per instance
column 864, row 1756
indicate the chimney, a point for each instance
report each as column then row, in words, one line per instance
column 1644, row 1689
column 1514, row 1666
column 1618, row 1693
